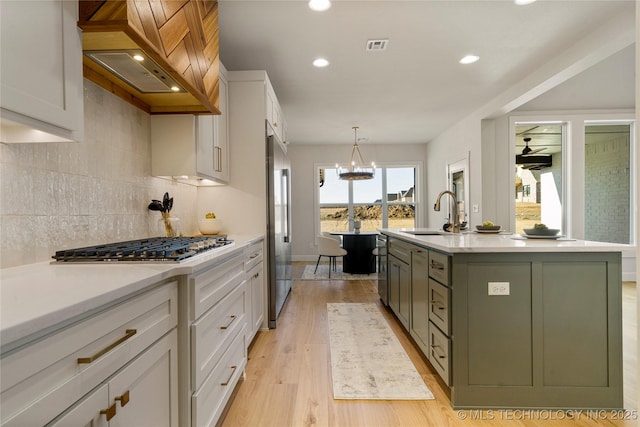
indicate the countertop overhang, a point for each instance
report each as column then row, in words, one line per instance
column 38, row 298
column 470, row 242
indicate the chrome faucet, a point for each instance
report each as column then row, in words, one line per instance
column 456, row 220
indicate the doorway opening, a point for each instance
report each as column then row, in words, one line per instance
column 539, row 183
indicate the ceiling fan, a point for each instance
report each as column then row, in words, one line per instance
column 528, row 150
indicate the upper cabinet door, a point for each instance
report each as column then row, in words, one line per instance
column 274, row 113
column 41, row 70
column 221, row 144
column 207, row 132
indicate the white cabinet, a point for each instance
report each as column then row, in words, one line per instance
column 130, row 347
column 140, row 394
column 247, row 133
column 221, row 145
column 217, row 305
column 192, row 147
column 255, row 288
column 41, row 71
column 274, row 113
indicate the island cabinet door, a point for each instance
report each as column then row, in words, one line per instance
column 420, row 298
column 500, row 331
column 578, row 322
column 399, row 285
column 394, row 283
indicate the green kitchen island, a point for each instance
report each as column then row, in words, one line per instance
column 509, row 322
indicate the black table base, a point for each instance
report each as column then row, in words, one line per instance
column 359, row 258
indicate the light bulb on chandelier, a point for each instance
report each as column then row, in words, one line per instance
column 356, row 170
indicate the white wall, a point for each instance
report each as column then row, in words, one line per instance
column 459, row 142
column 303, row 160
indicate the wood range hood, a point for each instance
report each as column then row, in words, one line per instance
column 175, row 41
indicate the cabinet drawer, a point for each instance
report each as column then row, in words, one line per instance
column 439, row 297
column 208, row 403
column 214, row 331
column 400, row 250
column 439, row 267
column 212, row 285
column 40, row 380
column 439, row 353
column 253, row 256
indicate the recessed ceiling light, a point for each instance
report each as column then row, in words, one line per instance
column 469, row 59
column 319, row 5
column 523, row 2
column 320, row 63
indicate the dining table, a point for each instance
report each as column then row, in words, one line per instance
column 359, row 246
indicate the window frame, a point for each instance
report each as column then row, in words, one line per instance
column 417, row 166
column 573, row 161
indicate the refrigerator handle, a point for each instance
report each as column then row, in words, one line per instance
column 287, row 208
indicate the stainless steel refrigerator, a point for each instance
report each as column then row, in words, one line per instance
column 278, row 225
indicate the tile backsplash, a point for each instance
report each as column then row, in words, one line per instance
column 62, row 195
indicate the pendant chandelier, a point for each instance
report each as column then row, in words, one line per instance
column 356, row 170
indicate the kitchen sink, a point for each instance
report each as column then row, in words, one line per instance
column 422, row 231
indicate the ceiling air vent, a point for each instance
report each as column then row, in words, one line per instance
column 374, row 45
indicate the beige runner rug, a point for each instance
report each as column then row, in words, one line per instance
column 367, row 360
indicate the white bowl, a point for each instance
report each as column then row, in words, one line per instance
column 209, row 226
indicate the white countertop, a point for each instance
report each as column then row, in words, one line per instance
column 38, row 297
column 471, row 242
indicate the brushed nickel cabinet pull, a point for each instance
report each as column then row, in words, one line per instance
column 233, row 317
column 128, row 334
column 219, row 162
column 437, row 304
column 437, row 265
column 233, row 371
column 437, row 354
column 254, row 256
column 110, row 412
column 124, row 399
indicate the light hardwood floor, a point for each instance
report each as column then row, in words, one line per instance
column 288, row 375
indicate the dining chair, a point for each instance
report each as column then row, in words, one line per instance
column 330, row 248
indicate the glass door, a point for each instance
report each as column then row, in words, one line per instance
column 539, row 183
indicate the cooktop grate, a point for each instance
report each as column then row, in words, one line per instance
column 174, row 249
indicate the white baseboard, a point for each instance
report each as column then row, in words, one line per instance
column 306, row 258
column 629, row 266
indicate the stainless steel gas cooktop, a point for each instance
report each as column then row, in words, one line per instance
column 154, row 249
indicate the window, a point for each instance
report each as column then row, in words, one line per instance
column 334, row 202
column 401, row 205
column 340, row 202
column 608, row 183
column 578, row 163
